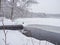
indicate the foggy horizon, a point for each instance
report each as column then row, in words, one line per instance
column 46, row 6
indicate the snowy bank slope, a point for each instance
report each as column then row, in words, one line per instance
column 16, row 38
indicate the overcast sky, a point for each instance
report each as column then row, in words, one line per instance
column 47, row 6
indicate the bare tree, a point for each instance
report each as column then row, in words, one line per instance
column 12, row 10
column 0, row 6
column 23, row 4
column 5, row 33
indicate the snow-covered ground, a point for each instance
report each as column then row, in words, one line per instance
column 41, row 21
column 17, row 38
column 6, row 21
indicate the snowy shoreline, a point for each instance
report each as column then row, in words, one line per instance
column 16, row 38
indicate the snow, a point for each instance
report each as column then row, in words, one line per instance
column 17, row 38
column 9, row 0
column 6, row 21
column 41, row 21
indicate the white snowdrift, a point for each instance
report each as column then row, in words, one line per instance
column 41, row 21
column 6, row 21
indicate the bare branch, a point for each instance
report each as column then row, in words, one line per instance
column 5, row 33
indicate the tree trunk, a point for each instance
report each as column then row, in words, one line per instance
column 12, row 10
column 12, row 27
